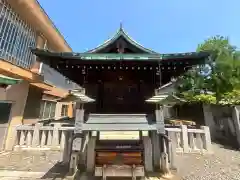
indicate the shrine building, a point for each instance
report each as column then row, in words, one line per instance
column 120, row 74
column 121, row 81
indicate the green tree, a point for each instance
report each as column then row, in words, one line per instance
column 220, row 76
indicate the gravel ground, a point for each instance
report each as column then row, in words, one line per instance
column 28, row 161
column 223, row 164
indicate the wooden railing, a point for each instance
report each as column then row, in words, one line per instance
column 189, row 140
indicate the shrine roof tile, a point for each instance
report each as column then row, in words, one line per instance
column 45, row 54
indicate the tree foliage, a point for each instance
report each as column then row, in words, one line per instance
column 217, row 80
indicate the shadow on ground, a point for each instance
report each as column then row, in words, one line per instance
column 227, row 143
column 57, row 171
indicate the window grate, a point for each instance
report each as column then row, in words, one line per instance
column 16, row 38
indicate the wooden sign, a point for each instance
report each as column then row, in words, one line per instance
column 77, row 144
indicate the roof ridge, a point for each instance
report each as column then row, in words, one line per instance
column 120, row 32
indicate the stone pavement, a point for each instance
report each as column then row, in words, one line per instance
column 224, row 164
column 31, row 165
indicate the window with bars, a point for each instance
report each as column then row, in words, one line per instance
column 16, row 38
column 64, row 111
column 47, row 109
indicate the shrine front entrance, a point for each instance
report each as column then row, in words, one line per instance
column 118, row 92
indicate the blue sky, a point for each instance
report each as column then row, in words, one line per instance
column 166, row 26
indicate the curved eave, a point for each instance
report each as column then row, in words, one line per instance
column 120, row 33
column 47, row 56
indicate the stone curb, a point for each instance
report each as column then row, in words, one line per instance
column 21, row 174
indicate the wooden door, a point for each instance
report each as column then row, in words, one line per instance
column 121, row 98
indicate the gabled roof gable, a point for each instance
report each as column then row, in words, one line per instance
column 121, row 33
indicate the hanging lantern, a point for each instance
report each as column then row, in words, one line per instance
column 120, row 78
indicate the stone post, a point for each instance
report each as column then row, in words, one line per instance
column 148, row 160
column 79, row 119
column 36, row 135
column 172, row 149
column 159, row 119
column 55, row 140
column 184, row 138
column 63, row 139
column 77, row 141
column 66, row 154
column 73, row 163
column 164, row 163
column 22, row 137
column 208, row 119
column 236, row 120
column 207, row 139
column 29, row 139
column 44, row 138
column 49, row 137
column 156, row 150
column 91, row 153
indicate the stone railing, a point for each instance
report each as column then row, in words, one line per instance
column 53, row 137
column 189, row 140
column 42, row 137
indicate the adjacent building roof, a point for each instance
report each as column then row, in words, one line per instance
column 166, row 95
column 8, row 80
column 76, row 96
column 32, row 12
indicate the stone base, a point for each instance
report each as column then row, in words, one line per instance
column 120, row 171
